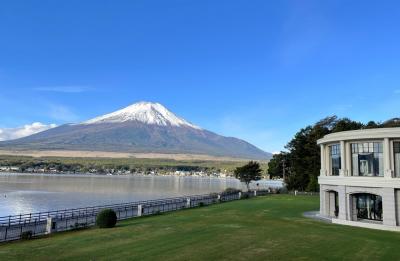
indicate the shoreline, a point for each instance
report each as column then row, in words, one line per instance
column 50, row 174
column 128, row 175
column 118, row 155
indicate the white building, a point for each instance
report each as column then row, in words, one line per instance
column 360, row 178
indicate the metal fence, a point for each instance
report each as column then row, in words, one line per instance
column 37, row 224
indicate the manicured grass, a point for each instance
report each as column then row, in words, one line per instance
column 265, row 228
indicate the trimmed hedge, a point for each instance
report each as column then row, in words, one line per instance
column 107, row 218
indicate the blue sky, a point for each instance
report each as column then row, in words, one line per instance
column 257, row 70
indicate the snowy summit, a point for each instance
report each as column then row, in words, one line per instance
column 146, row 112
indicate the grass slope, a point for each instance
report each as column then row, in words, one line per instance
column 267, row 228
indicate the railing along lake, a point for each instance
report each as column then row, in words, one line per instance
column 37, row 224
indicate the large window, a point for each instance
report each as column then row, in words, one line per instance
column 396, row 147
column 335, row 159
column 369, row 206
column 367, row 159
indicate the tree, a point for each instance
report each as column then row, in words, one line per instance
column 305, row 156
column 372, row 125
column 395, row 122
column 346, row 124
column 249, row 172
column 277, row 163
column 304, row 153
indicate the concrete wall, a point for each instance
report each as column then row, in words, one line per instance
column 347, row 204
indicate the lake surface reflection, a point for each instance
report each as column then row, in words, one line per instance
column 27, row 193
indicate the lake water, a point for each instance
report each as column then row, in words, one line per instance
column 28, row 193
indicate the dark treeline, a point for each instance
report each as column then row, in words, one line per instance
column 83, row 166
column 116, row 165
column 301, row 162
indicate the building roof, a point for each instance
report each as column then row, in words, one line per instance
column 364, row 134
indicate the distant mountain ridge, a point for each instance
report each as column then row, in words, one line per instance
column 139, row 128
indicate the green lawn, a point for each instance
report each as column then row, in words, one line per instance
column 264, row 228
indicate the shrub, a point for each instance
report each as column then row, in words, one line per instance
column 245, row 196
column 231, row 190
column 107, row 218
column 201, row 204
column 283, row 190
column 26, row 235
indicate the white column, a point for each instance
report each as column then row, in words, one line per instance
column 389, row 209
column 139, row 210
column 342, row 203
column 349, row 167
column 387, row 158
column 323, row 161
column 343, row 169
column 353, row 208
column 392, row 164
column 49, row 226
column 326, row 203
column 321, row 201
column 328, row 166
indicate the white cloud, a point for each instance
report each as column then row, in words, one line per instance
column 64, row 89
column 26, row 130
column 62, row 113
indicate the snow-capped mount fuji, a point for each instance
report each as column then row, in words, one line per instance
column 142, row 127
column 146, row 112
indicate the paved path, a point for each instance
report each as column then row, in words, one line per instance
column 315, row 215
